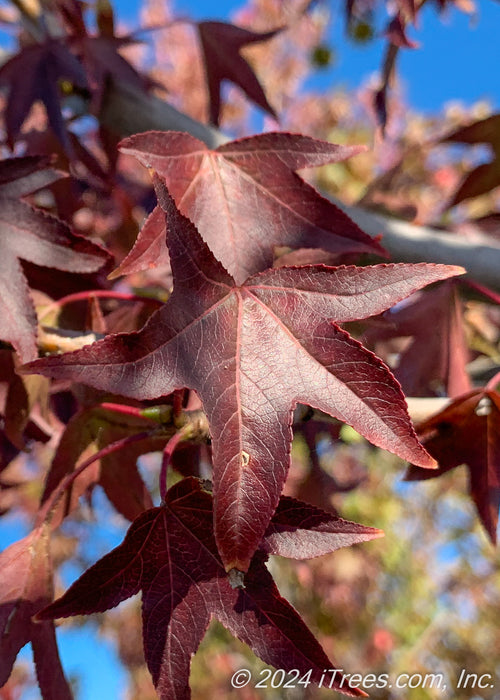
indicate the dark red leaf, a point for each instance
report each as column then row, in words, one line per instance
column 100, row 54
column 117, row 472
column 103, row 61
column 150, row 248
column 29, row 234
column 252, row 352
column 278, row 208
column 318, row 485
column 71, row 12
column 169, row 553
column 105, row 18
column 381, row 96
column 25, row 588
column 221, row 44
column 22, row 176
column 301, row 531
column 435, row 361
column 34, row 74
column 468, row 432
column 485, row 177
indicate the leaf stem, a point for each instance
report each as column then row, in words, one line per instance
column 181, row 435
column 178, row 400
column 44, row 514
column 124, row 409
column 97, row 293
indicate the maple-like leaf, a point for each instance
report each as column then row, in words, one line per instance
column 468, row 432
column 436, row 358
column 31, row 235
column 169, row 553
column 252, row 352
column 486, row 176
column 117, row 472
column 34, row 74
column 25, row 588
column 245, row 198
column 221, row 44
column 100, row 54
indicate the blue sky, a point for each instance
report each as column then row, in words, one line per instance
column 458, row 56
column 458, row 60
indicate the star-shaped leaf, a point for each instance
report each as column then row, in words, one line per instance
column 34, row 74
column 29, row 234
column 100, row 54
column 117, row 472
column 221, row 44
column 252, row 352
column 468, row 432
column 25, row 588
column 434, row 363
column 277, row 209
column 169, row 553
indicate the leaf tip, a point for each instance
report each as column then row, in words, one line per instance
column 426, row 461
column 114, row 274
column 42, row 615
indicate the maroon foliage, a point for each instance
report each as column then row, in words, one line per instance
column 29, row 234
column 434, row 363
column 100, row 54
column 232, row 332
column 221, row 44
column 117, row 472
column 468, row 432
column 486, row 176
column 34, row 74
column 265, row 345
column 302, row 531
column 278, row 209
column 169, row 553
column 26, row 587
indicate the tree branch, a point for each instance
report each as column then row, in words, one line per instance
column 127, row 110
column 410, row 243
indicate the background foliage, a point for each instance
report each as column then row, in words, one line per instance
column 424, row 598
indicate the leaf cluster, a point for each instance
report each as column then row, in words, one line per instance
column 247, row 309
